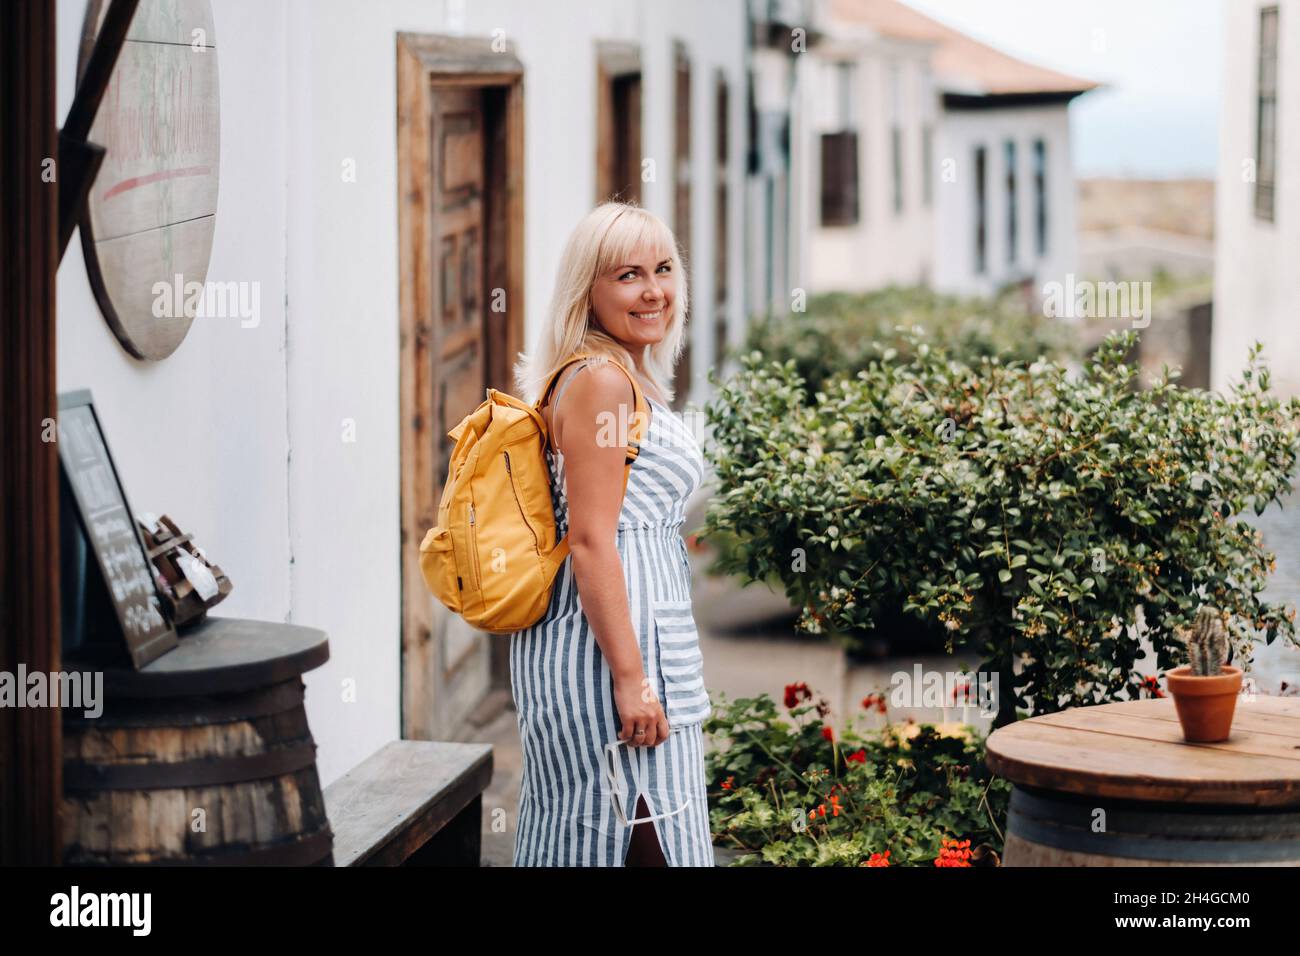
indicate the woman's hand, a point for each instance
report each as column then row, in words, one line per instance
column 639, row 709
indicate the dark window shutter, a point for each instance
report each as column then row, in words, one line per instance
column 839, row 192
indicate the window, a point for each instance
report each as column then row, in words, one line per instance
column 925, row 98
column 721, row 267
column 1266, row 116
column 927, row 164
column 844, row 76
column 839, row 199
column 896, row 151
column 682, row 196
column 896, row 133
column 1040, row 197
column 1009, row 159
column 618, row 121
column 981, row 212
column 839, row 154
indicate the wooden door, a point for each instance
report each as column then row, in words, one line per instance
column 459, row 351
column 721, row 261
column 460, row 219
column 618, row 122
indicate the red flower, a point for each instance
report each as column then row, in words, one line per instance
column 1152, row 683
column 954, row 853
column 729, row 783
column 962, row 687
column 828, row 733
column 874, row 700
column 878, row 859
column 835, row 805
column 795, row 693
column 859, row 757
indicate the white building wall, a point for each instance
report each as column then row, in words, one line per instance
column 239, row 434
column 1257, row 263
column 885, row 247
column 959, row 134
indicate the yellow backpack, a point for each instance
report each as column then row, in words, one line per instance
column 493, row 557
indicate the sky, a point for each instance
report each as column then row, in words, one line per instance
column 1161, row 61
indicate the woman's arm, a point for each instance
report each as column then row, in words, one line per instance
column 595, row 455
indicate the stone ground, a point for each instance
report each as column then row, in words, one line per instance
column 750, row 647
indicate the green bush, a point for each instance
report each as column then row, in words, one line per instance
column 792, row 793
column 840, row 333
column 1027, row 510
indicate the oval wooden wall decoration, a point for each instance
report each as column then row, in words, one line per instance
column 151, row 213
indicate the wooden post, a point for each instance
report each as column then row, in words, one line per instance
column 31, row 779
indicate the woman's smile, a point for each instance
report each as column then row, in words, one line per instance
column 633, row 301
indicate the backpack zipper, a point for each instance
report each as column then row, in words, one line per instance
column 473, row 546
column 522, row 513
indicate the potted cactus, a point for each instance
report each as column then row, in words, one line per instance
column 1205, row 690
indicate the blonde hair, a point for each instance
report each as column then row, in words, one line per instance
column 606, row 237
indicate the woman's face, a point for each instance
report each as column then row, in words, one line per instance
column 633, row 300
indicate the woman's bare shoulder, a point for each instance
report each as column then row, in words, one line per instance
column 596, row 388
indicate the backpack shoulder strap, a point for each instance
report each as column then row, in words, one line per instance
column 636, row 434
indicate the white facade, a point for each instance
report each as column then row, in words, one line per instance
column 1257, row 262
column 961, row 132
column 888, row 87
column 239, row 435
column 903, row 64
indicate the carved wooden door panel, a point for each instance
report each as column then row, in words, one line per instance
column 459, row 347
column 459, row 329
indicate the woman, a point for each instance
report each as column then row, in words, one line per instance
column 609, row 684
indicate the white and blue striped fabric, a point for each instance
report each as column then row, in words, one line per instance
column 564, row 691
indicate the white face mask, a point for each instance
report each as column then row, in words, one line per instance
column 618, row 786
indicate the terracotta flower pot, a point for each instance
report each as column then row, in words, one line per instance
column 1205, row 705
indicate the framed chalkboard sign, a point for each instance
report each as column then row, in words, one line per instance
column 110, row 530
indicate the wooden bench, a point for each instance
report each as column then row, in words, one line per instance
column 411, row 803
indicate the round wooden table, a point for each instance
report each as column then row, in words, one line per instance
column 1116, row 785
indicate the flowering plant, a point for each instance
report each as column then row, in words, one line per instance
column 1030, row 511
column 792, row 791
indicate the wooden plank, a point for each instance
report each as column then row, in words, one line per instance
column 1161, row 708
column 31, row 766
column 395, row 800
column 415, row 390
column 224, row 655
column 1263, row 737
column 473, row 58
column 1263, row 715
column 1039, row 754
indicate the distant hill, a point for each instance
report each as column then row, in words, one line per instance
column 1183, row 206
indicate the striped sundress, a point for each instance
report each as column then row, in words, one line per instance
column 564, row 690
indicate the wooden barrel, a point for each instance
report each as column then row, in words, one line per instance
column 1117, row 785
column 1045, row 828
column 166, row 775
